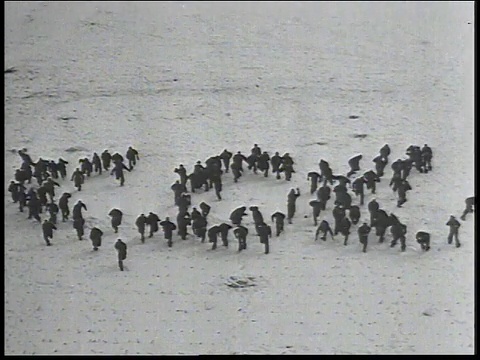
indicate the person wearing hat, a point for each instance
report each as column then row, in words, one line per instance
column 454, row 225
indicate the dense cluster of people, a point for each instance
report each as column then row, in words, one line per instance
column 209, row 176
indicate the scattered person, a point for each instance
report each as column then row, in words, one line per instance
column 96, row 237
column 47, row 228
column 116, row 216
column 454, row 225
column 469, row 204
column 121, row 248
column 423, row 238
column 265, row 232
column 291, row 201
column 152, row 222
column 78, row 225
column 241, row 233
column 279, row 219
column 140, row 223
column 63, row 205
column 132, row 157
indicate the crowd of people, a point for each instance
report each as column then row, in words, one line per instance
column 209, row 176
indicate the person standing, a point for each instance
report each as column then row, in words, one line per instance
column 291, row 201
column 121, row 248
column 454, row 225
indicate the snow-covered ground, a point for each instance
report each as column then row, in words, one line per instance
column 181, row 81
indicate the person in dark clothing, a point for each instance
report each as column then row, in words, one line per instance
column 132, row 157
column 212, row 234
column 116, row 216
column 397, row 166
column 287, row 166
column 13, row 188
column 78, row 224
column 423, row 238
column 279, row 219
column 398, row 232
column 106, row 159
column 61, row 168
column 395, row 181
column 354, row 214
column 182, row 172
column 22, row 175
column 454, row 225
column 223, row 229
column 78, row 179
column 63, row 205
column 276, row 161
column 77, row 209
column 291, row 204
column 199, row 227
column 371, row 179
column 205, row 208
column 314, row 178
column 47, row 228
column 121, row 248
column 252, row 162
column 345, row 225
column 117, row 158
column 96, row 237
column 34, row 206
column 152, row 221
column 358, row 188
column 263, row 163
column 380, row 222
column 373, row 207
column 402, row 192
column 338, row 213
column 323, row 195
column 53, row 211
column 22, row 198
column 415, row 154
column 406, row 168
column 385, row 152
column 380, row 163
column 217, row 185
column 178, row 190
column 354, row 164
column 195, row 214
column 236, row 171
column 363, row 232
column 52, row 169
column 324, row 228
column 469, row 204
column 183, row 220
column 140, row 223
column 86, row 166
column 237, row 215
column 25, row 157
column 316, row 208
column 241, row 233
column 256, row 150
column 265, row 233
column 184, row 202
column 39, row 171
column 50, row 187
column 256, row 216
column 226, row 156
column 42, row 197
column 344, row 199
column 97, row 163
column 118, row 168
column 168, row 228
column 326, row 172
column 238, row 160
column 427, row 155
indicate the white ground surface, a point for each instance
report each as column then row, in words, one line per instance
column 181, row 82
